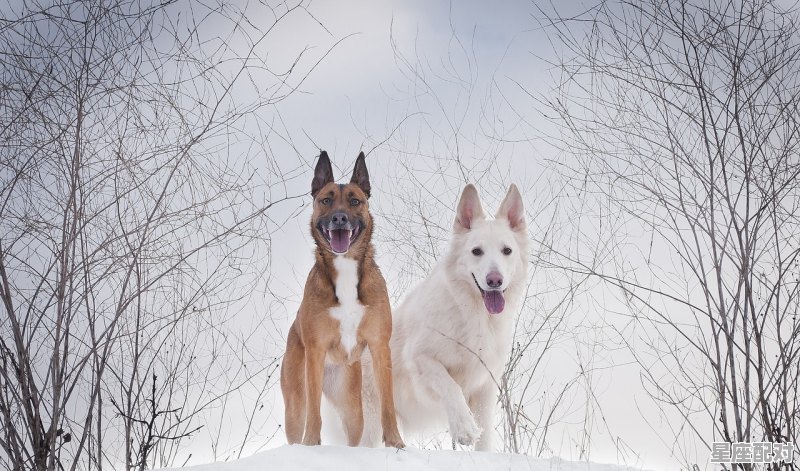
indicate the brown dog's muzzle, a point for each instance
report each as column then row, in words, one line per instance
column 340, row 230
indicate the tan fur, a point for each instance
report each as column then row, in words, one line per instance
column 315, row 334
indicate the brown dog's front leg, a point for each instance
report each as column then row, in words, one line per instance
column 353, row 408
column 293, row 387
column 315, row 369
column 382, row 365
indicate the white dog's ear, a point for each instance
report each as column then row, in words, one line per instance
column 469, row 209
column 512, row 210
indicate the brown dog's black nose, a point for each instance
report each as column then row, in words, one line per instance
column 339, row 219
column 494, row 279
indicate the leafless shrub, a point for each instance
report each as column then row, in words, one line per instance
column 134, row 197
column 683, row 118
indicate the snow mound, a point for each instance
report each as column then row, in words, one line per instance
column 319, row 458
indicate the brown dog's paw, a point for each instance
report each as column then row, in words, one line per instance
column 394, row 441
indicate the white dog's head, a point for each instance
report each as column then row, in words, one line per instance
column 488, row 258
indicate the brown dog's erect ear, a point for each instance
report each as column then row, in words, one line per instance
column 360, row 174
column 469, row 210
column 323, row 174
column 512, row 210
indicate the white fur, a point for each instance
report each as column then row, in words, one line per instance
column 349, row 311
column 448, row 352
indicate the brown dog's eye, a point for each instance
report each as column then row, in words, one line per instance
column 354, row 202
column 507, row 251
column 477, row 252
column 326, row 201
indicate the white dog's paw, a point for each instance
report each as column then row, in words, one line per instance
column 464, row 430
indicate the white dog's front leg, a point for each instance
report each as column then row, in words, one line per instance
column 482, row 403
column 434, row 375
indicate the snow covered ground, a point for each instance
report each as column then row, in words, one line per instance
column 303, row 458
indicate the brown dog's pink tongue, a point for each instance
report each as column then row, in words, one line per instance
column 494, row 301
column 340, row 240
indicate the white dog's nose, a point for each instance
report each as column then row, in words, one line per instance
column 494, row 279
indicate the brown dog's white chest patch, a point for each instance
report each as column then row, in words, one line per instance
column 349, row 311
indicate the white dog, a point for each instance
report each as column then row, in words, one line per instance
column 451, row 335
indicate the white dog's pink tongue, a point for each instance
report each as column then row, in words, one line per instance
column 494, row 301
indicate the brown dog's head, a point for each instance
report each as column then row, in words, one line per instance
column 341, row 220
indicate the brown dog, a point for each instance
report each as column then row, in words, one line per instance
column 345, row 308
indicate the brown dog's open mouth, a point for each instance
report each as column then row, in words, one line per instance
column 341, row 239
column 494, row 300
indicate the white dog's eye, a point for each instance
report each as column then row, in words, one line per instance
column 477, row 252
column 507, row 251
